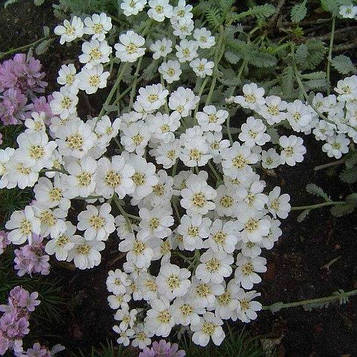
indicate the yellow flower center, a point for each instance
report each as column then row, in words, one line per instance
column 173, row 281
column 208, row 328
column 247, row 268
column 69, row 78
column 192, row 231
column 94, row 80
column 84, row 179
column 159, row 189
column 199, row 199
column 97, row 28
column 186, row 309
column 138, row 178
column 22, row 169
column 131, row 48
column 273, row 110
column 239, row 162
column 219, row 237
column 96, row 222
column 154, row 223
column 164, row 316
column 95, row 54
column 203, row 290
column 62, row 240
column 153, row 98
column 25, row 227
column 37, row 152
column 226, row 201
column 48, row 218
column 137, row 139
column 75, row 141
column 83, row 249
column 213, row 265
column 138, row 247
column 251, row 225
column 250, row 98
column 66, row 102
column 112, row 178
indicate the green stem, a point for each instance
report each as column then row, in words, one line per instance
column 329, row 58
column 200, row 92
column 330, row 164
column 318, row 205
column 122, row 211
column 22, row 48
column 114, row 88
column 229, row 129
column 133, row 88
column 326, row 299
column 218, row 55
column 214, row 171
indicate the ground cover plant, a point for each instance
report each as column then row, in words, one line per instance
column 157, row 174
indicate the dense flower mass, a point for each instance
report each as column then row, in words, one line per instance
column 163, row 175
column 21, row 81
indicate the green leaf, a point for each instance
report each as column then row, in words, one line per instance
column 303, row 215
column 315, row 84
column 314, row 75
column 317, row 191
column 343, row 64
column 349, row 175
column 351, row 159
column 42, row 47
column 232, row 57
column 38, row 2
column 342, row 210
column 310, row 54
column 298, row 12
column 260, row 11
column 287, row 82
column 46, row 31
column 330, row 6
column 352, row 199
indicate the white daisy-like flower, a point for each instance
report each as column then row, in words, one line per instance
column 211, row 119
column 159, row 10
column 215, row 266
column 69, row 31
column 247, row 269
column 23, row 224
column 278, row 205
column 95, row 52
column 98, row 25
column 64, row 102
column 167, row 154
column 97, row 223
column 93, row 78
column 226, row 304
column 292, row 149
column 173, row 281
column 186, row 51
column 67, row 75
column 253, row 97
column 185, row 313
column 202, row 67
column 209, row 327
column 270, row 159
column 253, row 132
column 159, row 319
column 117, row 282
column 273, row 110
column 348, row 11
column 131, row 47
column 204, row 38
column 151, row 97
column 170, row 70
column 246, row 307
column 336, row 146
column 132, row 7
column 161, row 48
column 183, row 101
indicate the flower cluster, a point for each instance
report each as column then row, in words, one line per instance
column 14, row 322
column 162, row 349
column 332, row 119
column 21, row 80
column 348, row 11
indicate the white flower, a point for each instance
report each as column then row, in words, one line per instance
column 154, row 223
column 203, row 295
column 247, row 268
column 182, row 27
column 252, row 195
column 152, row 97
column 274, row 233
column 270, row 159
column 81, row 179
column 273, row 110
column 185, row 313
column 139, row 252
column 22, row 225
column 144, row 177
column 182, row 11
column 91, row 79
column 346, row 89
column 298, row 115
column 336, row 146
column 35, row 149
column 324, row 130
column 223, row 236
column 159, row 9
column 130, row 48
column 250, row 249
column 117, row 282
column 161, row 48
column 183, row 101
column 216, row 145
column 193, row 230
column 215, row 266
column 198, row 196
column 106, row 130
column 163, row 126
column 132, row 7
column 37, row 122
column 204, row 38
column 293, row 149
column 75, row 139
column 167, row 154
column 226, row 304
column 208, row 328
column 159, row 319
column 253, row 132
column 135, row 138
column 170, row 70
column 119, row 301
column 141, row 338
column 211, row 119
column 96, row 223
column 348, row 11
column 52, row 220
column 186, row 51
column 67, row 75
column 278, row 205
column 5, row 156
column 173, row 281
column 253, row 97
column 126, row 317
column 69, row 31
column 124, row 336
column 49, row 194
column 85, row 254
column 226, row 201
column 254, row 224
column 195, row 149
column 95, row 52
column 114, row 176
column 246, row 307
column 236, row 160
column 202, row 67
column 61, row 245
column 98, row 25
column 64, row 102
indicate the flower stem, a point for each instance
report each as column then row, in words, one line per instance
column 329, row 58
column 202, row 88
column 135, row 82
column 215, row 173
column 318, row 205
column 122, row 211
column 22, row 48
column 330, row 164
column 326, row 299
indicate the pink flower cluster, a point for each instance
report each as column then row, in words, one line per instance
column 20, row 83
column 31, row 258
column 3, row 241
column 14, row 323
column 162, row 349
column 41, row 351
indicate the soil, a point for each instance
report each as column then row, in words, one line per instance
column 295, row 265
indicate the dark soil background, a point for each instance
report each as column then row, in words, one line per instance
column 296, row 264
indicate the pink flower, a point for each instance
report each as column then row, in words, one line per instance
column 162, row 349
